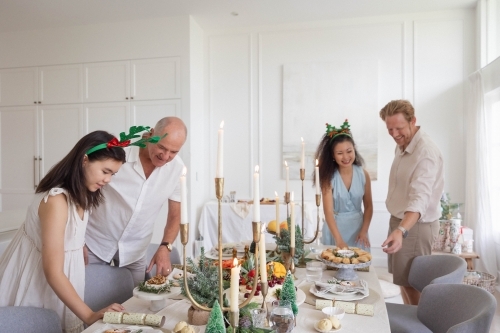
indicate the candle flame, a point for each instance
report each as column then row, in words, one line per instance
column 256, row 169
column 222, row 124
column 291, row 196
column 235, row 262
column 184, row 171
column 286, row 164
column 316, row 162
column 301, row 138
column 276, row 193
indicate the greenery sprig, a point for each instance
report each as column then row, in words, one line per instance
column 147, row 289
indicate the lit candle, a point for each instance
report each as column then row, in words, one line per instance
column 184, row 209
column 256, row 198
column 287, row 172
column 219, row 173
column 316, row 170
column 277, row 214
column 303, row 155
column 292, row 221
column 234, row 286
column 262, row 256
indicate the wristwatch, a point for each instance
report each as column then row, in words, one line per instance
column 403, row 230
column 167, row 245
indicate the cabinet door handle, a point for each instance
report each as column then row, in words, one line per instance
column 132, row 97
column 34, row 170
column 39, row 102
column 34, row 102
column 126, row 97
column 39, row 169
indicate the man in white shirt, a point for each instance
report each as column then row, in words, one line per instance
column 416, row 183
column 120, row 229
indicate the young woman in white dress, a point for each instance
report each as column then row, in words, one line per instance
column 43, row 266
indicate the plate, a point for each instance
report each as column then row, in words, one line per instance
column 341, row 288
column 213, row 254
column 330, row 331
column 353, row 297
column 240, row 247
column 351, row 266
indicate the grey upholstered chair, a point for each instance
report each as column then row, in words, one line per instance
column 174, row 258
column 456, row 308
column 106, row 284
column 27, row 319
column 424, row 271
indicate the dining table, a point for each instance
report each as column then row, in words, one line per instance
column 176, row 308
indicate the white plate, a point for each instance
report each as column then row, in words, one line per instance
column 229, row 246
column 340, row 288
column 213, row 254
column 336, row 297
column 350, row 266
column 330, row 331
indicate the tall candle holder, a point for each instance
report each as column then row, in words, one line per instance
column 302, row 261
column 184, row 231
column 287, row 201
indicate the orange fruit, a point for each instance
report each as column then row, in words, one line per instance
column 284, row 225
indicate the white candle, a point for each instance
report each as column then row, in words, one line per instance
column 316, row 170
column 277, row 214
column 256, row 196
column 287, row 172
column 262, row 256
column 303, row 155
column 184, row 209
column 234, row 286
column 292, row 221
column 219, row 173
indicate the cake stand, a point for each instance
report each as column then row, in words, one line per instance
column 158, row 301
column 346, row 272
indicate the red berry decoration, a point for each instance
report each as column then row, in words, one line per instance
column 246, row 295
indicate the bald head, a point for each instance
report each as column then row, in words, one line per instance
column 169, row 146
column 174, row 124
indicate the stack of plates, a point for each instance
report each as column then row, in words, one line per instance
column 341, row 293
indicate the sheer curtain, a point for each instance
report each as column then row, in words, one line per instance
column 481, row 180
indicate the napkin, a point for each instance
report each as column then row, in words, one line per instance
column 361, row 288
column 242, row 209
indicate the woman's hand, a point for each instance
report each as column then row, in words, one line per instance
column 95, row 316
column 363, row 240
column 341, row 244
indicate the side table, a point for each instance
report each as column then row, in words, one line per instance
column 468, row 256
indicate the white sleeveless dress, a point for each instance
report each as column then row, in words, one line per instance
column 22, row 281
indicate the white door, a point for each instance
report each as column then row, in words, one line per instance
column 19, row 163
column 148, row 113
column 111, row 117
column 107, row 81
column 61, row 84
column 156, row 78
column 60, row 129
column 18, row 86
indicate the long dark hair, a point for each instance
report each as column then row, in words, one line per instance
column 69, row 173
column 327, row 164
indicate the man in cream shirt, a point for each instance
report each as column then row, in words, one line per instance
column 120, row 229
column 416, row 183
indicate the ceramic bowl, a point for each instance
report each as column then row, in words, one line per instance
column 332, row 311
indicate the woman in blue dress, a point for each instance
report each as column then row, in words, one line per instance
column 345, row 186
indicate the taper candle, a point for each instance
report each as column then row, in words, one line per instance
column 287, row 173
column 234, row 286
column 316, row 171
column 303, row 155
column 219, row 173
column 277, row 214
column 292, row 221
column 256, row 195
column 262, row 256
column 184, row 210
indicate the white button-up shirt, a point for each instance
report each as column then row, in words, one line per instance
column 416, row 180
column 124, row 222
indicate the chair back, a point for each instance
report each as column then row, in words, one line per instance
column 106, row 284
column 152, row 248
column 28, row 319
column 436, row 269
column 456, row 308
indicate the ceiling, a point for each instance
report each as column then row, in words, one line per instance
column 22, row 15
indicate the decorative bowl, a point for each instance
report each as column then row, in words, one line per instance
column 332, row 311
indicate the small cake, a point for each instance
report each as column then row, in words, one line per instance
column 156, row 282
column 187, row 329
column 335, row 322
column 179, row 326
column 325, row 325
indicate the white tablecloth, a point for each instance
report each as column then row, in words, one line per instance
column 176, row 310
column 236, row 228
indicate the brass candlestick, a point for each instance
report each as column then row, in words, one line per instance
column 256, row 230
column 318, row 203
column 287, row 201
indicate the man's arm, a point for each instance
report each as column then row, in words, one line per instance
column 162, row 256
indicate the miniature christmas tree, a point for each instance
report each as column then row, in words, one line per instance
column 283, row 243
column 216, row 321
column 288, row 293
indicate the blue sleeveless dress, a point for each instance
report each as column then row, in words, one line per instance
column 347, row 207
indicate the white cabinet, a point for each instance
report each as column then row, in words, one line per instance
column 111, row 117
column 148, row 113
column 32, row 140
column 146, row 79
column 18, row 86
column 41, row 85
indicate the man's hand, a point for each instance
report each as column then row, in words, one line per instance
column 162, row 261
column 85, row 255
column 394, row 242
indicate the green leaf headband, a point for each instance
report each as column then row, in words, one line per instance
column 333, row 132
column 125, row 140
